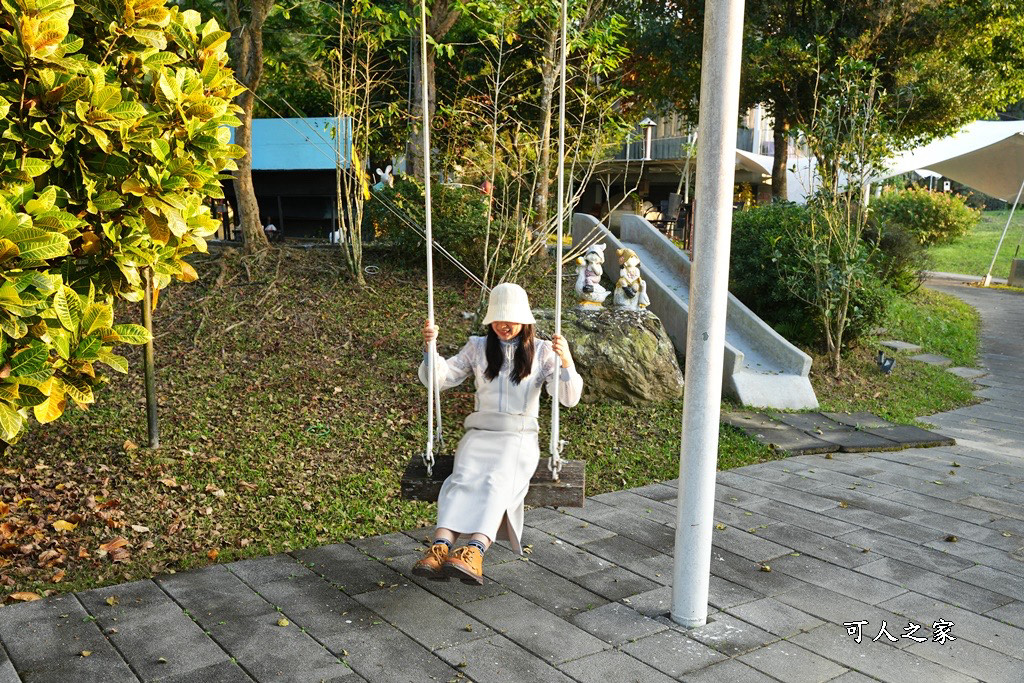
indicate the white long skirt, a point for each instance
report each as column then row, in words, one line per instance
column 494, row 462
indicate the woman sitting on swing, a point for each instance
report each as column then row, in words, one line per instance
column 483, row 497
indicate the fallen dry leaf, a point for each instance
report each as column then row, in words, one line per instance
column 213, row 555
column 115, row 544
column 58, row 577
column 130, row 445
column 25, row 596
column 61, row 525
column 112, row 600
column 138, row 528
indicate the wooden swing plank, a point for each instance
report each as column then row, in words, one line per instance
column 568, row 491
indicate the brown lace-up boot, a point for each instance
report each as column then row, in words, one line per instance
column 466, row 564
column 431, row 565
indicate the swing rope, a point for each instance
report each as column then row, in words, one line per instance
column 434, row 396
column 557, row 444
column 434, row 399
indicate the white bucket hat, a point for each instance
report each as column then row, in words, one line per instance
column 509, row 302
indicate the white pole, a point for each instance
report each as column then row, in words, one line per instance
column 988, row 276
column 709, row 289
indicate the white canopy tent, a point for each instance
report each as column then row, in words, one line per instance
column 986, row 155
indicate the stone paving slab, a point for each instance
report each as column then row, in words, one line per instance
column 932, row 359
column 775, row 617
column 897, row 345
column 776, row 435
column 731, row 670
column 613, row 666
column 909, row 436
column 500, row 660
column 859, row 420
column 672, row 653
column 974, row 627
column 967, row 373
column 849, row 433
column 789, row 662
column 534, row 628
column 7, row 672
column 46, row 639
column 155, row 637
column 247, row 626
column 731, row 636
column 617, row 623
column 880, row 661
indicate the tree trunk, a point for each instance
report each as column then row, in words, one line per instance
column 548, row 71
column 248, row 58
column 780, row 161
column 441, row 19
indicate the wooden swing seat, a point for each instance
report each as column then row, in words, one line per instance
column 569, row 491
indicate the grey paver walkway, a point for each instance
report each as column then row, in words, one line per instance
column 854, row 537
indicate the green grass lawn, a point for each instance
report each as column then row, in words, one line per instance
column 940, row 324
column 289, row 408
column 972, row 254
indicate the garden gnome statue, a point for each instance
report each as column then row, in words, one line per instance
column 588, row 277
column 630, row 289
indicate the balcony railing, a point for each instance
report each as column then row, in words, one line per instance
column 672, row 148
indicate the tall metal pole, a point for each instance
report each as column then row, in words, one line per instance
column 148, row 362
column 709, row 289
column 988, row 276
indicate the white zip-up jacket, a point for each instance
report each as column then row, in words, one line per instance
column 501, row 395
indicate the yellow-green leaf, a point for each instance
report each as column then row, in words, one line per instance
column 29, row 360
column 46, row 246
column 52, row 408
column 78, row 389
column 134, row 186
column 119, row 363
column 63, row 525
column 11, row 422
column 35, row 167
column 68, row 307
column 130, row 333
column 96, row 316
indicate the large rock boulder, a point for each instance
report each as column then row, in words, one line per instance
column 622, row 355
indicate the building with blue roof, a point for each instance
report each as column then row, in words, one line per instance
column 294, row 164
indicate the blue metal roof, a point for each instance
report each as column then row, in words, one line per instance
column 300, row 144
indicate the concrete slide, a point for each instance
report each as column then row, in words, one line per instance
column 762, row 369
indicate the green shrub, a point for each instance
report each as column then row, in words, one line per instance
column 766, row 274
column 112, row 133
column 932, row 217
column 755, row 276
column 898, row 256
column 459, row 222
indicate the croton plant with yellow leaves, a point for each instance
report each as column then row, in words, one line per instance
column 114, row 127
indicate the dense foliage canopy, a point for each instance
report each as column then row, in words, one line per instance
column 113, row 133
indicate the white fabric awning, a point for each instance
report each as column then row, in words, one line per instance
column 755, row 163
column 987, row 156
